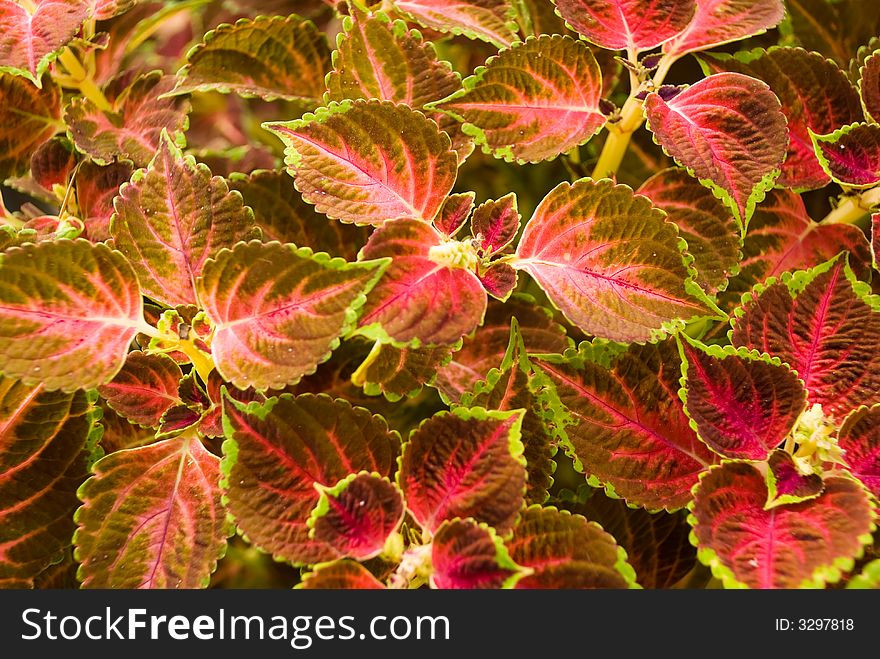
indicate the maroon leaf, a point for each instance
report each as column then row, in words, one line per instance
column 397, row 372
column 729, row 131
column 796, row 545
column 277, row 451
column 567, row 551
column 818, row 323
column 465, row 463
column 499, row 280
column 625, row 426
column 631, row 25
column 96, row 188
column 860, row 440
column 28, row 117
column 342, row 574
column 851, row 154
column 426, row 295
column 743, row 406
column 495, row 224
column 144, row 389
column 875, row 240
column 467, row 555
column 786, row 484
column 869, row 85
column 454, row 213
column 717, row 22
column 815, row 94
column 53, row 162
column 177, row 419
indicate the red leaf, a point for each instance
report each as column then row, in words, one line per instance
column 875, row 240
column 729, row 131
column 342, row 574
column 743, row 406
column 869, row 85
column 627, row 24
column 495, row 224
column 96, row 188
column 144, row 389
column 454, row 213
column 28, row 117
column 53, row 162
column 785, row 484
column 488, row 20
column 860, row 440
column 499, row 280
column 465, row 463
column 817, row 323
column 797, row 545
column 467, row 555
column 357, row 515
column 717, row 22
column 851, row 154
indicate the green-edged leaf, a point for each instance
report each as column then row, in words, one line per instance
column 144, row 389
column 819, row 323
column 369, row 161
column 499, row 280
column 278, row 311
column 34, row 32
column 152, row 518
column 103, row 10
column 357, row 515
column 532, row 101
column 631, row 25
column 28, row 116
column 423, row 298
column 454, row 213
column 131, row 130
column 465, row 463
column 277, row 451
column 869, row 578
column 171, row 219
column 625, row 426
column 467, row 555
column 656, row 544
column 718, row 22
column 269, row 57
column 785, row 482
column 46, row 443
column 743, row 406
column 400, row 372
column 835, row 29
column 816, row 95
column 798, row 545
column 282, row 215
column 344, row 575
column 567, row 551
column 508, row 388
column 68, row 311
column 53, row 162
column 495, row 224
column 609, row 261
column 859, row 438
column 488, row 20
column 782, row 237
column 729, row 131
column 875, row 240
column 851, row 154
column 869, row 87
column 712, row 237
column 96, row 188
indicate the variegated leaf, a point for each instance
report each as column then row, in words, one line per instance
column 717, row 22
column 28, row 117
column 144, row 389
column 487, row 20
column 859, row 438
column 851, row 154
column 467, row 555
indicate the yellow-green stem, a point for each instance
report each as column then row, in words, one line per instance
column 359, row 377
column 854, row 209
column 84, row 80
column 200, row 361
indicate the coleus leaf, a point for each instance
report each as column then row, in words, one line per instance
column 276, row 452
column 625, row 426
column 102, row 10
column 796, row 545
column 608, row 260
column 786, row 484
column 835, row 29
column 96, row 188
column 485, row 349
column 28, row 116
column 782, row 237
column 875, row 240
column 656, row 544
column 851, row 154
column 712, row 237
column 717, row 22
column 859, row 437
column 423, row 297
column 742, row 405
column 68, row 311
column 131, row 130
column 357, row 515
column 631, row 25
column 270, row 57
column 729, row 131
column 465, row 463
column 815, row 94
column 152, row 518
column 869, row 86
column 868, row 578
column 53, row 162
column 278, row 310
column 369, row 161
column 120, row 434
column 495, row 224
column 487, row 20
column 454, row 213
column 467, row 555
column 171, row 219
column 533, row 101
column 508, row 388
column 32, row 36
column 144, row 389
column 343, row 574
column 282, row 215
column 819, row 323
column 46, row 443
column 499, row 280
column 400, row 372
column 567, row 551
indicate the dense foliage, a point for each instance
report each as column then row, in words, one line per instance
column 270, row 314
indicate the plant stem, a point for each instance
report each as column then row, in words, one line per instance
column 200, row 361
column 359, row 377
column 84, row 80
column 853, row 209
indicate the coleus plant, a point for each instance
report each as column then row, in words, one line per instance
column 266, row 292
